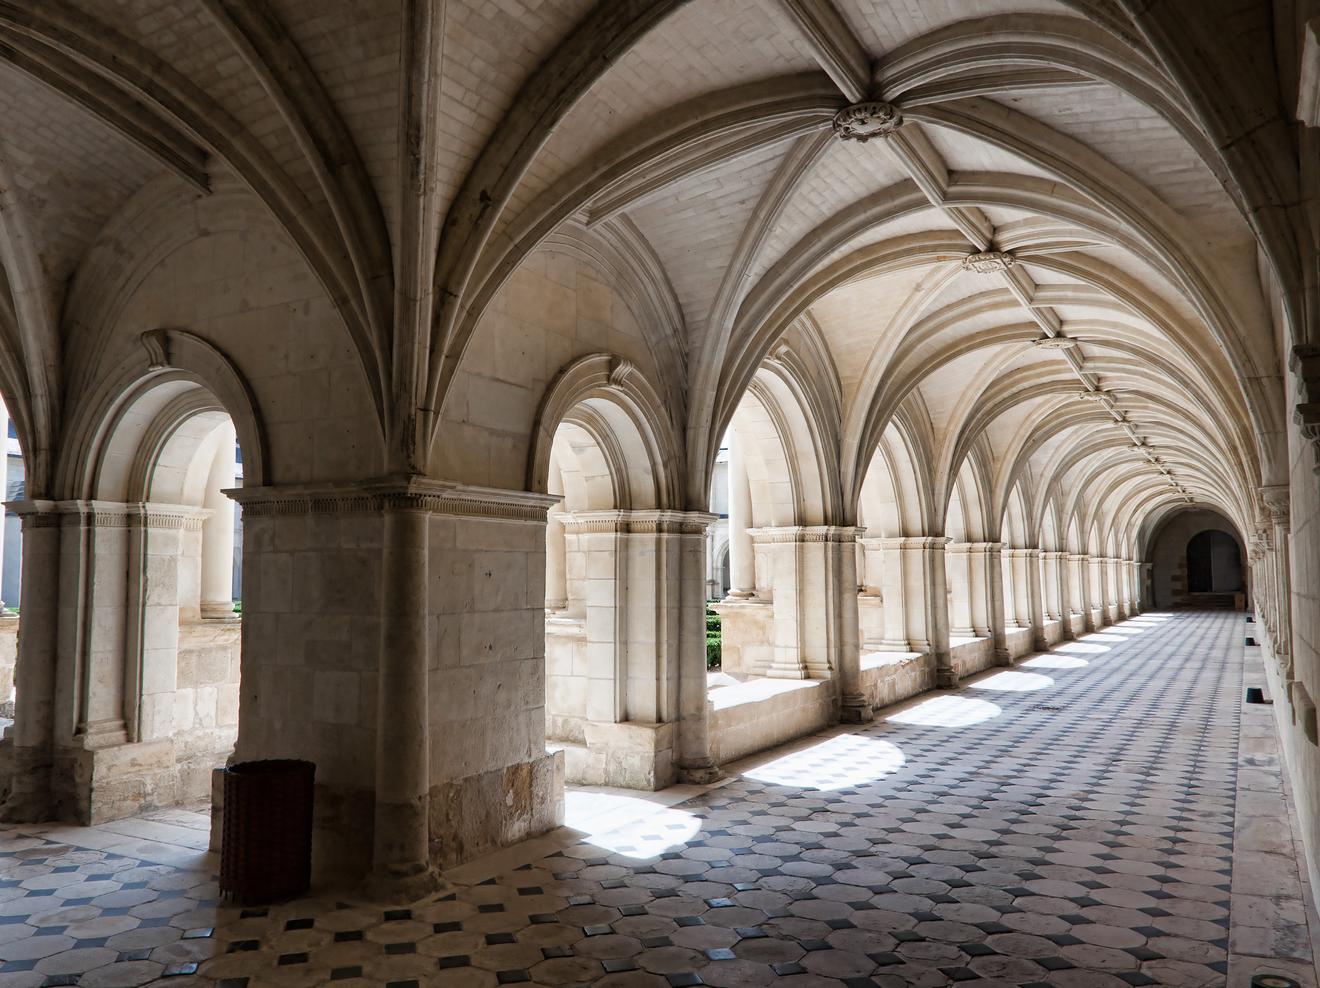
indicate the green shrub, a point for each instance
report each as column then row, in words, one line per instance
column 712, row 651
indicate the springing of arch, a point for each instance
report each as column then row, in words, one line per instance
column 606, row 397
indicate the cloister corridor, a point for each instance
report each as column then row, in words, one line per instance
column 1105, row 814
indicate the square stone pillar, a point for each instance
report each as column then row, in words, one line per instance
column 394, row 634
column 916, row 601
column 103, row 708
column 958, row 570
column 635, row 641
column 803, row 577
column 1092, row 575
column 1016, row 563
column 1079, row 594
column 993, row 568
column 1035, row 598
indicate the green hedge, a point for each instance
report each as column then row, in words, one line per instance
column 712, row 640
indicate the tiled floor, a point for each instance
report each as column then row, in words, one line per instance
column 1069, row 823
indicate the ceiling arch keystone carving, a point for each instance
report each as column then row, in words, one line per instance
column 988, row 261
column 867, row 120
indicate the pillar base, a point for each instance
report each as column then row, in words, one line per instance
column 29, row 771
column 700, row 772
column 218, row 610
column 740, row 595
column 946, row 679
column 1003, row 658
column 402, row 884
column 856, row 709
column 478, row 814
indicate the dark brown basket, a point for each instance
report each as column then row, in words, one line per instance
column 266, row 843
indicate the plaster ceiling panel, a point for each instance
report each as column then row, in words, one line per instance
column 188, row 39
column 883, row 25
column 1142, row 143
column 701, row 48
column 859, row 317
column 964, row 153
column 923, row 221
column 1139, row 276
column 494, row 47
column 1003, row 429
column 353, row 46
column 72, row 173
column 846, row 173
column 955, row 384
column 695, row 226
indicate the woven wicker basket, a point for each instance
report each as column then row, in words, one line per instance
column 266, row 843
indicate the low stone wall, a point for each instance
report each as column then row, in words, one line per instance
column 1018, row 641
column 760, row 714
column 970, row 656
column 889, row 677
column 1053, row 632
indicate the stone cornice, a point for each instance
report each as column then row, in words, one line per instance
column 914, row 542
column 638, row 522
column 791, row 534
column 110, row 514
column 394, row 494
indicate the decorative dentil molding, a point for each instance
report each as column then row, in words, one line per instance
column 867, row 120
column 791, row 534
column 638, row 522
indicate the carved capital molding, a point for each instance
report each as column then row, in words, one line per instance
column 988, row 261
column 804, row 534
column 1304, row 362
column 1276, row 498
column 394, row 494
column 867, row 120
column 640, row 522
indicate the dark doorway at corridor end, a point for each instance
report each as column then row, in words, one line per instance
column 1197, row 559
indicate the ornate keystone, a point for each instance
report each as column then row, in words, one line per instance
column 863, row 121
column 989, row 261
column 1051, row 342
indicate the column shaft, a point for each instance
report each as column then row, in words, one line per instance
column 401, row 858
column 218, row 532
column 742, row 562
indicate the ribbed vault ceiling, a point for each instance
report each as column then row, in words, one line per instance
column 1108, row 358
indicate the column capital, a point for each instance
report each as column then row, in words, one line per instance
column 395, row 493
column 1276, row 498
column 804, row 533
column 914, row 542
column 638, row 522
